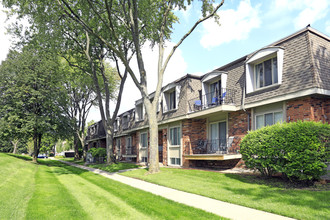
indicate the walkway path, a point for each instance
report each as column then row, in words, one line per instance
column 217, row 207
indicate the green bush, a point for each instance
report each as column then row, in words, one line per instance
column 98, row 152
column 299, row 150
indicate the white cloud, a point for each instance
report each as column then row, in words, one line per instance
column 235, row 25
column 305, row 11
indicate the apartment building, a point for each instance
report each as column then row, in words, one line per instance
column 202, row 119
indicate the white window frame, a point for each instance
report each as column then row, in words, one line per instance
column 166, row 97
column 139, row 112
column 178, row 137
column 211, row 78
column 259, row 57
column 141, row 146
column 266, row 113
column 178, row 161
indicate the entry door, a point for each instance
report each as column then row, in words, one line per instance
column 218, row 137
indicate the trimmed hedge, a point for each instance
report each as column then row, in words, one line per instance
column 299, row 150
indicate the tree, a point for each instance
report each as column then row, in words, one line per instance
column 33, row 97
column 60, row 33
column 123, row 27
column 81, row 97
column 139, row 21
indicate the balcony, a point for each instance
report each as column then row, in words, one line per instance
column 213, row 99
column 214, row 149
column 130, row 151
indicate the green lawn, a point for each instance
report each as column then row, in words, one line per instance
column 53, row 190
column 115, row 167
column 311, row 203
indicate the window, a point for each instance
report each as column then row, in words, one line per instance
column 175, row 161
column 268, row 119
column 125, row 121
column 139, row 112
column 264, row 68
column 170, row 97
column 144, row 140
column 215, row 91
column 218, row 137
column 266, row 73
column 118, row 143
column 115, row 125
column 172, row 104
column 118, row 146
column 175, row 136
column 170, row 100
column 144, row 159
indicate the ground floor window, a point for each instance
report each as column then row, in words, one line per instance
column 144, row 140
column 268, row 119
column 144, row 159
column 175, row 161
column 175, row 136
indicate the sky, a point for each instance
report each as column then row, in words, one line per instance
column 245, row 26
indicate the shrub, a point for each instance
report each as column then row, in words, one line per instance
column 98, row 152
column 298, row 149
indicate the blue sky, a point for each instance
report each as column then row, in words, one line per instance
column 246, row 26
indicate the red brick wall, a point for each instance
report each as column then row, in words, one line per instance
column 308, row 109
column 238, row 124
column 192, row 131
column 164, row 147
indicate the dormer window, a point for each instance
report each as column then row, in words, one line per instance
column 214, row 89
column 116, row 125
column 266, row 73
column 264, row 69
column 171, row 97
column 139, row 112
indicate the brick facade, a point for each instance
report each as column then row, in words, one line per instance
column 308, row 109
column 238, row 125
column 192, row 131
column 164, row 138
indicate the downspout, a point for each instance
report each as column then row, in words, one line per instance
column 243, row 104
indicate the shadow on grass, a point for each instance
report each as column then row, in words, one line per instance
column 279, row 191
column 20, row 156
column 59, row 167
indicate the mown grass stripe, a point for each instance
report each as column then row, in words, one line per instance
column 51, row 200
column 16, row 188
column 153, row 206
column 52, row 190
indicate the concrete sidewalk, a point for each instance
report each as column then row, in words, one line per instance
column 217, row 207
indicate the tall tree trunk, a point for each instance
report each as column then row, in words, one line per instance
column 76, row 147
column 36, row 146
column 153, row 132
column 15, row 144
column 109, row 143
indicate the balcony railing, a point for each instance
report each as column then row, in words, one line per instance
column 130, row 150
column 212, row 146
column 221, row 97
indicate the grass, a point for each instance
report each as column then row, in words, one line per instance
column 53, row 190
column 247, row 190
column 115, row 167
